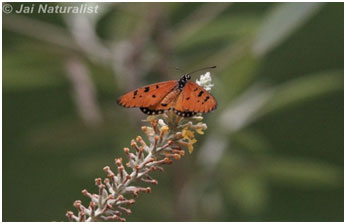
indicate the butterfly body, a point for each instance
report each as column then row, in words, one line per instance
column 184, row 97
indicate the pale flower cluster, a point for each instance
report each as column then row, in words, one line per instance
column 205, row 81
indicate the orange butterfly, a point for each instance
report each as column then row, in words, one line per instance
column 184, row 97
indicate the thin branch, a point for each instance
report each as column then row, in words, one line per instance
column 84, row 91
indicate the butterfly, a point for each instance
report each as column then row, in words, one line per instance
column 184, row 97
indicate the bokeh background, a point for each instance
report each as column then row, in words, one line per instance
column 273, row 150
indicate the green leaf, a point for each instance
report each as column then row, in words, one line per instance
column 301, row 172
column 259, row 100
column 281, row 22
column 243, row 110
column 302, row 89
column 250, row 140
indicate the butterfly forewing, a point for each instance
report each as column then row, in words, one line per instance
column 147, row 96
column 194, row 98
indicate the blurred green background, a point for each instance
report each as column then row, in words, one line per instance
column 273, row 150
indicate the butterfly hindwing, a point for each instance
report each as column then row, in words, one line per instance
column 147, row 96
column 194, row 98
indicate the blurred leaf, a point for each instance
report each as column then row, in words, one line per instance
column 219, row 30
column 258, row 101
column 250, row 140
column 243, row 110
column 302, row 89
column 281, row 22
column 198, row 19
column 238, row 76
column 301, row 172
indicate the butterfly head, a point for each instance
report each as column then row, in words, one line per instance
column 183, row 80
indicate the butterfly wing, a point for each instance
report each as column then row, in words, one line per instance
column 147, row 96
column 194, row 99
column 165, row 104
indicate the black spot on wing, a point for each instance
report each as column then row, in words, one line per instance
column 134, row 94
column 153, row 96
column 157, row 86
column 188, row 98
column 200, row 93
column 147, row 89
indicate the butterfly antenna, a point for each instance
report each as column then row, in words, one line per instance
column 201, row 69
column 178, row 69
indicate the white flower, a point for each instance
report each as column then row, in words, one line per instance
column 162, row 123
column 205, row 81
